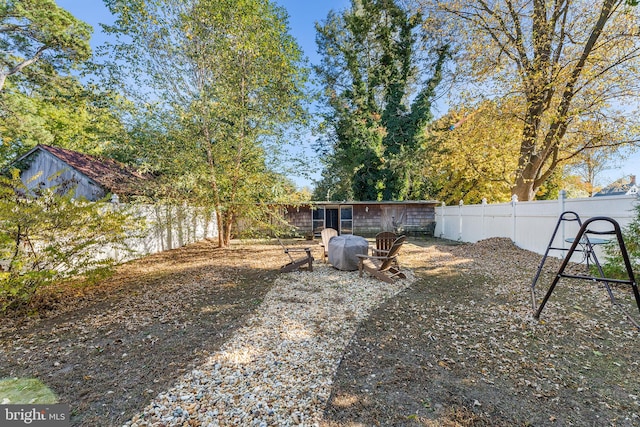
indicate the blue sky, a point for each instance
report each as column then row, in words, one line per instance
column 302, row 16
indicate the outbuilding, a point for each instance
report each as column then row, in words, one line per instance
column 364, row 218
column 91, row 177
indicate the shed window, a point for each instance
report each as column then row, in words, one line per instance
column 346, row 219
column 318, row 219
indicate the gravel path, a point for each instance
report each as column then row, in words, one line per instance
column 278, row 369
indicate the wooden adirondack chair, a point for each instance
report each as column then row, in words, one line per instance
column 326, row 235
column 382, row 266
column 384, row 241
column 296, row 263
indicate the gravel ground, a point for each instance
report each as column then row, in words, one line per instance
column 278, row 369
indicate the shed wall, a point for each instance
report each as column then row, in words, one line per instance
column 367, row 223
column 46, row 171
column 300, row 218
column 370, row 219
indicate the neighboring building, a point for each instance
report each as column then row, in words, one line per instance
column 364, row 218
column 93, row 178
column 620, row 187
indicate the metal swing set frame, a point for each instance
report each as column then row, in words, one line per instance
column 582, row 243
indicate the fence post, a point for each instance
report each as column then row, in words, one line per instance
column 514, row 202
column 443, row 228
column 561, row 199
column 484, row 206
column 460, row 203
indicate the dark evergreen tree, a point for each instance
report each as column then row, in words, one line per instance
column 377, row 98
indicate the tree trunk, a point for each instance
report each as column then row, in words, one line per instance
column 524, row 189
column 533, row 158
column 527, row 171
column 220, row 223
column 227, row 230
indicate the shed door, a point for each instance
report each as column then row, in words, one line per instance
column 331, row 218
column 392, row 218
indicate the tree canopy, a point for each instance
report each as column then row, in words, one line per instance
column 471, row 154
column 33, row 31
column 215, row 82
column 43, row 50
column 574, row 64
column 63, row 113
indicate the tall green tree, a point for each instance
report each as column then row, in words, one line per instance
column 216, row 81
column 63, row 113
column 38, row 31
column 377, row 98
column 572, row 62
column 43, row 49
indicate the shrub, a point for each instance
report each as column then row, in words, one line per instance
column 614, row 266
column 47, row 236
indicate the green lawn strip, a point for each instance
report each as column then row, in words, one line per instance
column 25, row 391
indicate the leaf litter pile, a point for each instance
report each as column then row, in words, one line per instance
column 459, row 347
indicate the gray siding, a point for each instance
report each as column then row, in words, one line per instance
column 300, row 218
column 46, row 170
column 367, row 223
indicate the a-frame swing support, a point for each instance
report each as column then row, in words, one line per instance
column 582, row 239
column 567, row 216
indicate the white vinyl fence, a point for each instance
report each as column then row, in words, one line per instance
column 168, row 227
column 530, row 225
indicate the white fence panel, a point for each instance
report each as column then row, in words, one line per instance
column 471, row 226
column 530, row 225
column 534, row 224
column 495, row 216
column 168, row 227
column 446, row 220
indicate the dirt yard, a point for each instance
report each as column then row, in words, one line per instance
column 459, row 347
